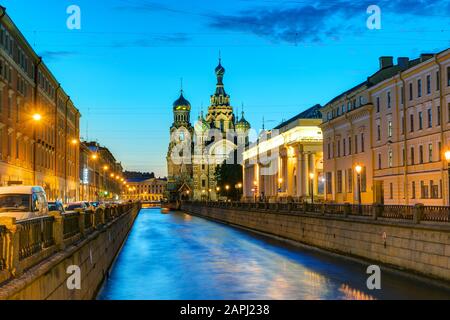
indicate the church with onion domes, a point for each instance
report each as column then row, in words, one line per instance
column 196, row 150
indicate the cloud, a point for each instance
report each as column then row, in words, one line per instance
column 300, row 22
column 56, row 55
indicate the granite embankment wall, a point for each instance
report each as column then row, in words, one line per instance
column 419, row 247
column 88, row 240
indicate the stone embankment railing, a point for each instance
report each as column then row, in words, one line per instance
column 25, row 243
column 416, row 214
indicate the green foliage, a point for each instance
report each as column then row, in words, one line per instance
column 229, row 175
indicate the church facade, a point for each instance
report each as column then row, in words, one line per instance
column 196, row 150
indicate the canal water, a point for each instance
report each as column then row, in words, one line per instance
column 179, row 256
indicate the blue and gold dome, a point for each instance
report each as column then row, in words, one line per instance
column 181, row 103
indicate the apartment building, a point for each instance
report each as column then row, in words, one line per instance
column 395, row 126
column 39, row 124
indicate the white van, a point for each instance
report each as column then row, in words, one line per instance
column 23, row 202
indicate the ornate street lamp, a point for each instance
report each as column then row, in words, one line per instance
column 311, row 179
column 447, row 157
column 358, row 170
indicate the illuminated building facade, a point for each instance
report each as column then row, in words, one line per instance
column 286, row 163
column 101, row 175
column 396, row 126
column 152, row 189
column 39, row 124
column 200, row 148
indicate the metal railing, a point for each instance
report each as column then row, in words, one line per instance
column 414, row 213
column 71, row 224
column 397, row 212
column 436, row 213
column 29, row 238
column 34, row 235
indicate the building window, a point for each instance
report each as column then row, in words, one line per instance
column 428, row 84
column 410, row 91
column 434, row 188
column 339, row 148
column 362, row 142
column 402, row 95
column 378, row 104
column 390, row 156
column 438, row 81
column 430, row 118
column 391, row 191
column 413, row 190
column 430, row 152
column 356, row 144
column 439, row 151
column 403, row 124
column 411, row 122
column 349, row 145
column 329, row 183
column 389, row 99
column 438, row 115
column 378, row 132
column 390, row 129
column 423, row 190
column 420, row 120
column 379, row 161
column 419, row 88
column 403, row 156
column 344, row 147
column 329, row 151
column 339, row 181
column 349, row 180
column 448, row 76
column 363, row 180
column 412, row 156
column 420, row 154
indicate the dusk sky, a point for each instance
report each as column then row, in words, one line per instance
column 123, row 68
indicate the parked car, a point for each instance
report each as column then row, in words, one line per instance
column 56, row 206
column 23, row 202
column 89, row 206
column 76, row 205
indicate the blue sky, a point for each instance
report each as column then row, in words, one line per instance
column 123, row 68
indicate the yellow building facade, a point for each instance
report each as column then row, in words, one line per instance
column 39, row 124
column 397, row 124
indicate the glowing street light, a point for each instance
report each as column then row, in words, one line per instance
column 74, row 141
column 311, row 179
column 37, row 117
column 105, row 168
column 94, row 156
column 358, row 169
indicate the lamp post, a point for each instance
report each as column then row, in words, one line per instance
column 227, row 187
column 238, row 190
column 280, row 181
column 447, row 157
column 311, row 189
column 358, row 170
column 255, row 189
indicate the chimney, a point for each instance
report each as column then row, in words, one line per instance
column 386, row 62
column 403, row 62
column 425, row 56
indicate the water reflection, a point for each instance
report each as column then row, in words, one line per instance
column 177, row 256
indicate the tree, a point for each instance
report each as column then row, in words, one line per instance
column 229, row 175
